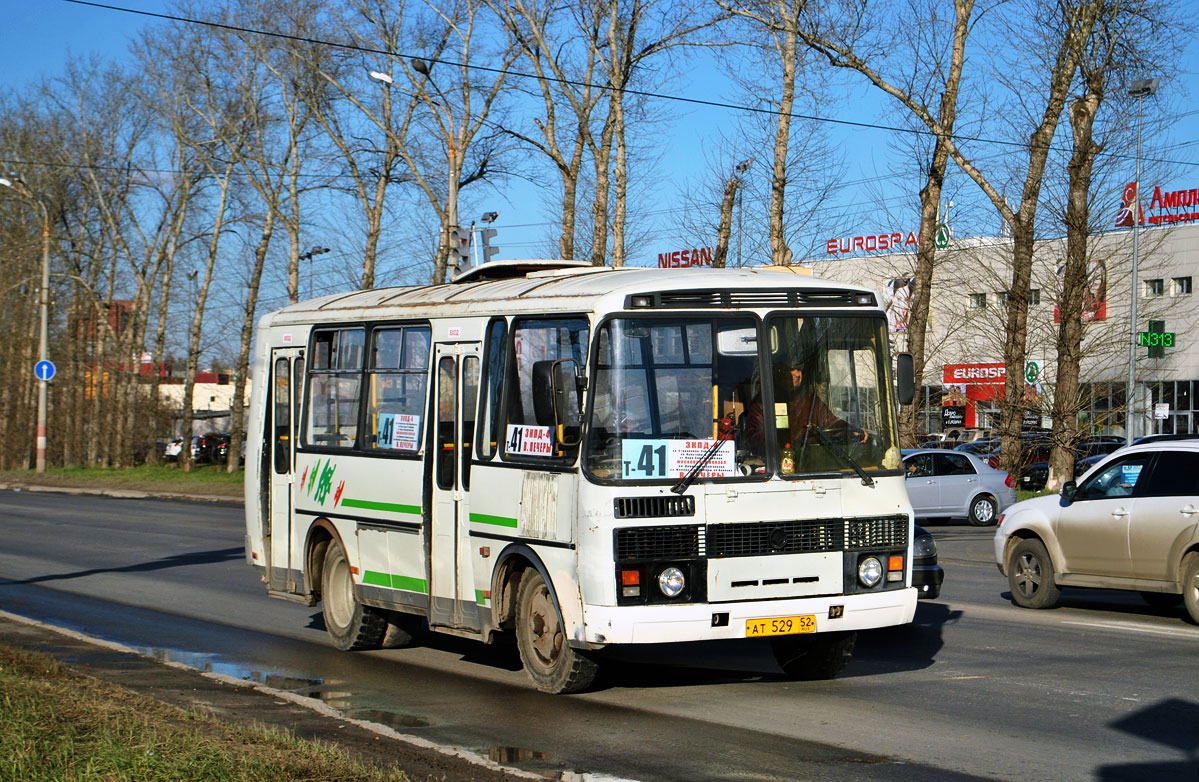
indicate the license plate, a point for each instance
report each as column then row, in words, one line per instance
column 780, row 625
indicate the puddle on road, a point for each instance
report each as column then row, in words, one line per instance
column 209, row 663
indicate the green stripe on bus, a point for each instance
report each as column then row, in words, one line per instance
column 499, row 521
column 391, row 507
column 394, row 581
column 479, row 597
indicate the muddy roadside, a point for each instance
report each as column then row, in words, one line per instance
column 248, row 704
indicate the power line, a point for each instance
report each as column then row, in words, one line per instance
column 569, row 82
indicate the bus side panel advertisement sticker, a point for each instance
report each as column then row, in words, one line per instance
column 529, row 440
column 643, row 458
column 399, row 430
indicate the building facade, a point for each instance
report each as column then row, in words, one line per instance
column 964, row 371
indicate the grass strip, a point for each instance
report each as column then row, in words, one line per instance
column 201, row 479
column 63, row 725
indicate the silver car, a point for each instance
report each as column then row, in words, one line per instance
column 953, row 484
column 1132, row 522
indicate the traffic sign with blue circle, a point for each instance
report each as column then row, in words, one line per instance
column 44, row 370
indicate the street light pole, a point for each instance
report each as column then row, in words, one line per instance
column 43, row 347
column 307, row 255
column 742, row 167
column 1139, row 89
column 451, row 207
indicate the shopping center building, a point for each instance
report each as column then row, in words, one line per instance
column 964, row 370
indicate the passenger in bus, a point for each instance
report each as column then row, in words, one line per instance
column 805, row 408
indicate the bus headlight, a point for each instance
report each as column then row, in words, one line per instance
column 671, row 581
column 870, row 572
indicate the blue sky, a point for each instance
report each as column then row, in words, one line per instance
column 38, row 35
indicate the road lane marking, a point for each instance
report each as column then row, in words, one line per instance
column 1183, row 633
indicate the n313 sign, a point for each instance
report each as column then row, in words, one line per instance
column 1157, row 339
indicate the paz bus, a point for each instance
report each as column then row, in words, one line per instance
column 584, row 457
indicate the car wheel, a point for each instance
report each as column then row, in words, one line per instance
column 813, row 657
column 983, row 511
column 1161, row 599
column 351, row 625
column 1030, row 575
column 1190, row 587
column 547, row 656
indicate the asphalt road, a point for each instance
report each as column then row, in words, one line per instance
column 1102, row 688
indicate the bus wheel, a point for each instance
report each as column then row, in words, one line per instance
column 351, row 625
column 813, row 657
column 549, row 660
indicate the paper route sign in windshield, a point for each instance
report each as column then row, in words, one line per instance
column 644, row 458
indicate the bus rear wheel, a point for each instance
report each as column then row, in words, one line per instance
column 351, row 625
column 813, row 657
column 541, row 638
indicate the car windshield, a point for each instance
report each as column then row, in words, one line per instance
column 670, row 392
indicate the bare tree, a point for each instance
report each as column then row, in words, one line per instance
column 1126, row 39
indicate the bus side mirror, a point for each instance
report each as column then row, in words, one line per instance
column 905, row 376
column 556, row 387
column 567, row 403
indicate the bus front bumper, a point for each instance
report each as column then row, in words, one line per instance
column 716, row 621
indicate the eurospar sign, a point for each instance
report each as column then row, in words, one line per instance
column 1170, row 200
column 856, row 244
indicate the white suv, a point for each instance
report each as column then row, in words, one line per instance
column 1131, row 522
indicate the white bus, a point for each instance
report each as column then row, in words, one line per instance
column 585, row 457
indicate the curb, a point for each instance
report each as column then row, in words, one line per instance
column 127, row 494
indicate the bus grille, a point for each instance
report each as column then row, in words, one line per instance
column 653, row 507
column 886, row 532
column 775, row 537
column 658, row 543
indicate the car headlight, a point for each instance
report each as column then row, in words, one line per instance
column 671, row 581
column 924, row 546
column 870, row 572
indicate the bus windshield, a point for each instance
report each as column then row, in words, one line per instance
column 671, row 392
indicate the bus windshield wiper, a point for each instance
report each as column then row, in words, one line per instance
column 688, row 479
column 824, row 438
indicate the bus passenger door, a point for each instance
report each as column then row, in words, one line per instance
column 282, row 419
column 451, row 576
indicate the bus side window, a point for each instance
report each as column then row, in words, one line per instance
column 470, row 396
column 335, row 377
column 395, row 400
column 538, row 342
column 282, row 415
column 490, row 418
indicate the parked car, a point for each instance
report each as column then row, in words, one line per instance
column 1034, row 476
column 173, row 450
column 953, row 484
column 927, row 575
column 1128, row 523
column 1157, row 438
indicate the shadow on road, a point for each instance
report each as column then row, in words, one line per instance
column 179, row 560
column 1174, row 723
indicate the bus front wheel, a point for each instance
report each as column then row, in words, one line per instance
column 351, row 625
column 813, row 657
column 541, row 638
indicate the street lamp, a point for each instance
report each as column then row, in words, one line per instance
column 1139, row 89
column 44, row 302
column 315, row 249
column 742, row 167
column 451, row 207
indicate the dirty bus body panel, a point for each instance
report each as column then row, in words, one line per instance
column 584, row 457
